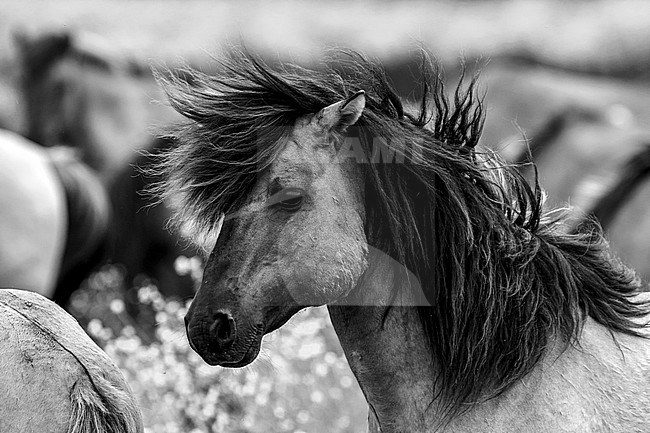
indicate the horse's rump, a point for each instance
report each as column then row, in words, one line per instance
column 55, row 377
column 33, row 221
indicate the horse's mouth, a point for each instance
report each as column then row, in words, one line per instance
column 248, row 357
column 274, row 321
column 235, row 359
column 245, row 348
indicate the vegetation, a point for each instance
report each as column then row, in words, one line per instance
column 300, row 383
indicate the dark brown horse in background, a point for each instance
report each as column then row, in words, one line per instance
column 603, row 171
column 624, row 212
column 80, row 91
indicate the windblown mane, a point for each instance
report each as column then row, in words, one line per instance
column 503, row 278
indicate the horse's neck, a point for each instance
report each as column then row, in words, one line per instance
column 390, row 359
column 393, row 371
column 386, row 353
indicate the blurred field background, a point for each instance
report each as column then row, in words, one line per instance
column 302, row 383
column 601, row 36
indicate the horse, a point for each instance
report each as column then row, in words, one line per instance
column 82, row 92
column 584, row 157
column 584, row 135
column 461, row 303
column 55, row 378
column 521, row 97
column 54, row 223
column 622, row 210
column 79, row 91
column 578, row 150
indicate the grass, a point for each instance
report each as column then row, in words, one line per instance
column 301, row 381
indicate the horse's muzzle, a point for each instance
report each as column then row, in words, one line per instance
column 215, row 339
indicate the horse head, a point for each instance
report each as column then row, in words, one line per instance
column 297, row 240
column 82, row 91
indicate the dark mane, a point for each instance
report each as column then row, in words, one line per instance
column 503, row 277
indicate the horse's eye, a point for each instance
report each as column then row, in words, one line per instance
column 291, row 204
column 289, row 199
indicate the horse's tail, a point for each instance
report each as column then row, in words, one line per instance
column 89, row 210
column 101, row 407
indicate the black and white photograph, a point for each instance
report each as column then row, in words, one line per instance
column 302, row 216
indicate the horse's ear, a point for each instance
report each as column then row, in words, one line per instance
column 342, row 114
column 25, row 42
column 21, row 39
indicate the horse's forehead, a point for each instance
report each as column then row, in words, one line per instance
column 297, row 159
column 308, row 133
column 306, row 153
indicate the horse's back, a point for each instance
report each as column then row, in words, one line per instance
column 598, row 385
column 33, row 219
column 522, row 98
column 55, row 379
column 609, row 373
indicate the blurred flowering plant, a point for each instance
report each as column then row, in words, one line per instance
column 301, row 381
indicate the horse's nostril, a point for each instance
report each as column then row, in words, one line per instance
column 223, row 330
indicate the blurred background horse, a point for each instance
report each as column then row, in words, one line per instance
column 586, row 136
column 624, row 213
column 81, row 92
column 595, row 161
column 54, row 223
column 78, row 91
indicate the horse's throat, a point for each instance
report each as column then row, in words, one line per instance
column 386, row 346
column 391, row 363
